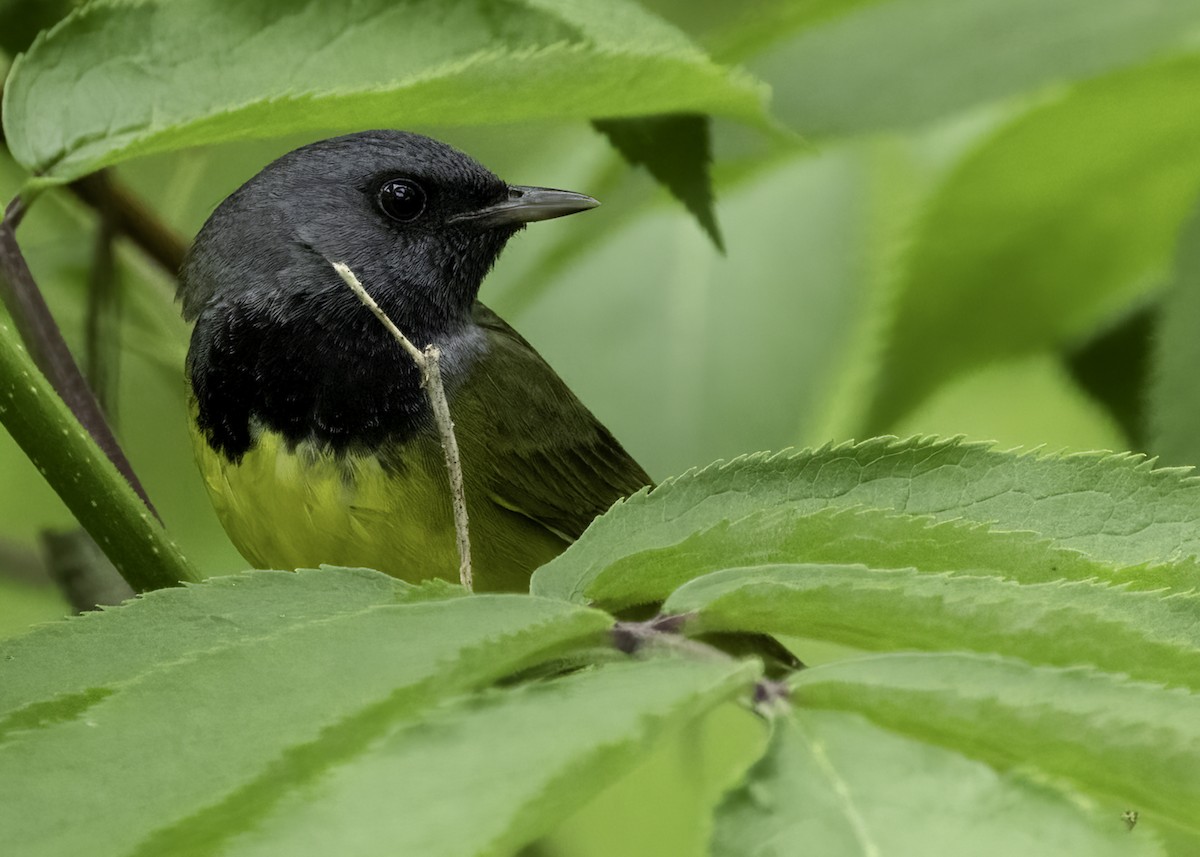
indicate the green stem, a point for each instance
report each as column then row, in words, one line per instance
column 82, row 475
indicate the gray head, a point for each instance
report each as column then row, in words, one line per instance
column 419, row 222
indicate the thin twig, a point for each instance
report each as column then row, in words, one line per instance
column 44, row 340
column 102, row 352
column 445, row 424
column 428, row 361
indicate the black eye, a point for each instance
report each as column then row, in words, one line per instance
column 401, row 199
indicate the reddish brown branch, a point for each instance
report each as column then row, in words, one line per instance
column 131, row 217
column 42, row 337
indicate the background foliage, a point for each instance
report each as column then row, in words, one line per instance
column 954, row 217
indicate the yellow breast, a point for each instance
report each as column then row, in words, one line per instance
column 299, row 506
column 291, row 508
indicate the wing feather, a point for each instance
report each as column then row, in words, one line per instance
column 551, row 459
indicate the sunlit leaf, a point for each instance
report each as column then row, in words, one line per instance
column 117, row 80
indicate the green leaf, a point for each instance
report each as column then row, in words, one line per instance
column 1145, row 635
column 917, row 60
column 839, row 786
column 1174, row 402
column 1045, row 232
column 286, row 68
column 1116, row 509
column 112, row 646
column 1110, row 736
column 872, row 537
column 252, row 716
column 676, row 151
column 465, row 792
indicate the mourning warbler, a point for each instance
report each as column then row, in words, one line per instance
column 312, row 431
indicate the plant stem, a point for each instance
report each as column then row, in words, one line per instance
column 428, row 361
column 83, row 476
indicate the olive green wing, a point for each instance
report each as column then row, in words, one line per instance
column 548, row 458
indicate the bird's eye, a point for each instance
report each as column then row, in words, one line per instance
column 402, row 199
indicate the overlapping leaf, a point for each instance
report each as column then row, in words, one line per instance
column 1145, row 635
column 445, row 785
column 262, row 694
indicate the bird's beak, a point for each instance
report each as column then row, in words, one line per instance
column 527, row 204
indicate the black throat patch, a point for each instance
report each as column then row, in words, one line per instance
column 308, row 367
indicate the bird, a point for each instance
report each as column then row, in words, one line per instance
column 310, row 426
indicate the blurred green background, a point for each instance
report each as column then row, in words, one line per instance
column 981, row 227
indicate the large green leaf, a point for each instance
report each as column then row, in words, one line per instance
column 445, row 785
column 839, row 786
column 118, row 79
column 1116, row 738
column 1045, row 232
column 1145, row 635
column 1174, row 399
column 252, row 715
column 1114, row 508
column 916, row 60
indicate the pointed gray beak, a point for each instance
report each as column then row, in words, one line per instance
column 527, row 204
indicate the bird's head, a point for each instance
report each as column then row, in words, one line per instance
column 419, row 222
